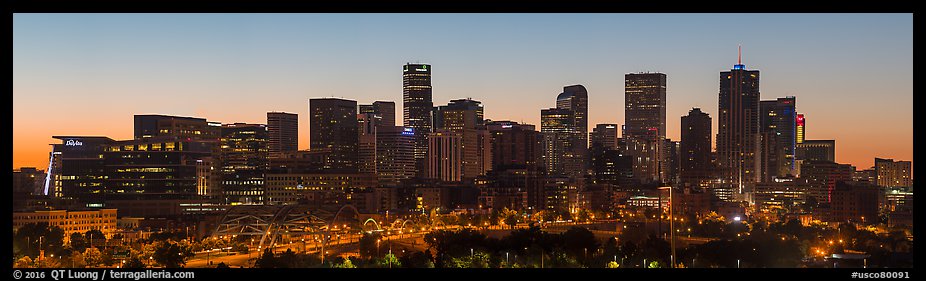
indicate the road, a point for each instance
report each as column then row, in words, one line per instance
column 347, row 245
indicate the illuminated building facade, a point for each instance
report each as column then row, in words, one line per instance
column 892, row 173
column 416, row 109
column 575, row 99
column 605, row 136
column 777, row 129
column 333, row 127
column 78, row 170
column 738, row 128
column 71, row 222
column 283, row 132
column 153, row 125
column 559, row 130
column 445, row 156
column 244, row 163
column 645, row 127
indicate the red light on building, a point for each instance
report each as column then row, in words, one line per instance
column 800, row 119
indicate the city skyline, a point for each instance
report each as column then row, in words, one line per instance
column 50, row 98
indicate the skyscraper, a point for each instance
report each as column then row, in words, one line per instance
column 244, row 163
column 458, row 115
column 604, row 135
column 283, row 130
column 383, row 111
column 465, row 116
column 514, row 145
column 738, row 127
column 645, row 128
column 575, row 98
column 777, row 129
column 416, row 108
column 395, row 159
column 333, row 127
column 558, row 128
column 695, row 159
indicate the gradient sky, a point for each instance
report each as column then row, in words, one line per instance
column 87, row 74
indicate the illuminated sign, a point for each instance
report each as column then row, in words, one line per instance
column 609, row 127
column 506, row 126
column 800, row 119
column 408, row 132
column 739, row 67
column 73, row 143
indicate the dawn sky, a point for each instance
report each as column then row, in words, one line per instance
column 88, row 74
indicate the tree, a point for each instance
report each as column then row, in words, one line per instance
column 77, row 260
column 391, row 261
column 171, row 255
column 613, row 264
column 134, row 263
column 346, row 264
column 24, row 262
column 29, row 239
column 93, row 256
column 78, row 243
column 107, row 257
column 510, row 217
column 578, row 241
column 368, row 244
column 222, row 265
column 266, row 260
column 96, row 234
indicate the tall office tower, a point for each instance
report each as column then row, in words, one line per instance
column 153, row 125
column 383, row 111
column 645, row 128
column 738, row 128
column 283, row 129
column 575, row 98
column 799, row 133
column 416, row 109
column 695, row 148
column 333, row 127
column 466, row 116
column 244, row 163
column 777, row 129
column 559, row 156
column 445, row 156
column 892, row 173
column 604, row 135
column 395, row 158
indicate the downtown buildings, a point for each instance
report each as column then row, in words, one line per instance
column 738, row 131
column 358, row 155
